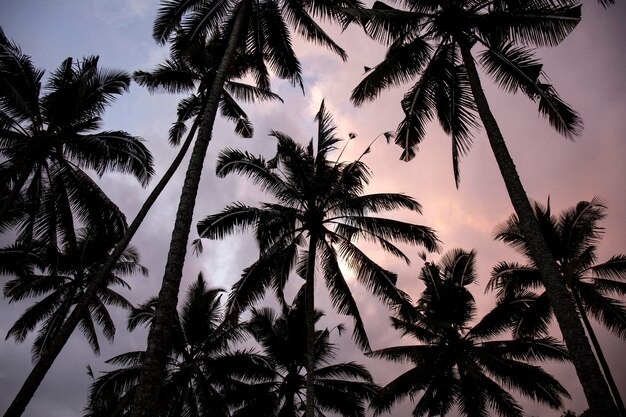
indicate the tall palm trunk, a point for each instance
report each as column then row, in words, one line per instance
column 159, row 339
column 593, row 383
column 50, row 353
column 310, row 327
column 600, row 355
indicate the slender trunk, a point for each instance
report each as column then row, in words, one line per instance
column 310, row 328
column 17, row 187
column 159, row 338
column 593, row 383
column 600, row 355
column 49, row 355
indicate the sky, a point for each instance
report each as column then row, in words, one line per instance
column 587, row 70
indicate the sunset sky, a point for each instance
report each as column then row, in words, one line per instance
column 587, row 69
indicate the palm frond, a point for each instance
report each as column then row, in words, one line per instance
column 172, row 76
column 235, row 217
column 534, row 23
column 402, row 63
column 231, row 161
column 340, row 295
column 126, row 154
column 232, row 111
column 278, row 51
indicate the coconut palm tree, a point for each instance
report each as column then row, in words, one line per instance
column 340, row 388
column 61, row 280
column 457, row 363
column 261, row 28
column 324, row 200
column 181, row 74
column 572, row 237
column 193, row 71
column 47, row 139
column 203, row 371
column 436, row 41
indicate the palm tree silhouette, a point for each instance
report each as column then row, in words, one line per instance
column 60, row 278
column 203, row 371
column 434, row 40
column 341, row 388
column 323, row 200
column 46, row 140
column 179, row 74
column 463, row 364
column 572, row 237
column 261, row 29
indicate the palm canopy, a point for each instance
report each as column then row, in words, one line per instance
column 573, row 237
column 323, row 200
column 267, row 35
column 341, row 388
column 194, row 69
column 426, row 42
column 60, row 279
column 50, row 134
column 204, row 374
column 460, row 363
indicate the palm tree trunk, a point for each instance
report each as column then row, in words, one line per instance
column 600, row 355
column 49, row 355
column 593, row 383
column 17, row 187
column 310, row 327
column 159, row 338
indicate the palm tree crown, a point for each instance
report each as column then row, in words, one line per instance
column 573, row 237
column 61, row 279
column 341, row 388
column 323, row 200
column 427, row 38
column 463, row 364
column 267, row 29
column 46, row 140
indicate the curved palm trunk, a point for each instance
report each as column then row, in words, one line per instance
column 600, row 355
column 159, row 339
column 49, row 355
column 593, row 383
column 17, row 187
column 310, row 327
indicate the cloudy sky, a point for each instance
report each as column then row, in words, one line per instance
column 587, row 69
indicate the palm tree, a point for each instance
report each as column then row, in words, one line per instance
column 203, row 371
column 434, row 40
column 340, row 388
column 457, row 363
column 573, row 239
column 260, row 28
column 324, row 200
column 194, row 69
column 179, row 74
column 61, row 279
column 46, row 140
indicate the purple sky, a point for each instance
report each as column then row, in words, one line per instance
column 587, row 69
